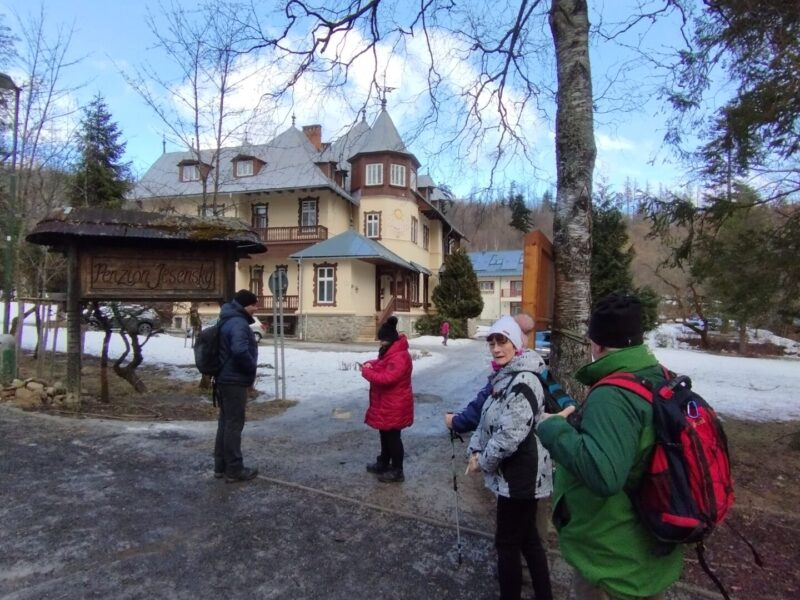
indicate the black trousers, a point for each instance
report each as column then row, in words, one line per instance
column 516, row 534
column 232, row 400
column 392, row 451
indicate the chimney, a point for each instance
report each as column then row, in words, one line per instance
column 314, row 135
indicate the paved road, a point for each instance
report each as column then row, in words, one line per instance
column 103, row 509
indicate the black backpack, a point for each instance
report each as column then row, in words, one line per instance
column 206, row 350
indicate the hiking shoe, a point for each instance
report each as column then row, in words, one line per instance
column 218, row 474
column 392, row 476
column 377, row 467
column 245, row 474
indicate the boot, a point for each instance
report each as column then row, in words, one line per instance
column 392, row 476
column 379, row 466
column 246, row 474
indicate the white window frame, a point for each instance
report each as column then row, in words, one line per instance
column 326, row 278
column 190, row 173
column 374, row 174
column 413, row 179
column 487, row 287
column 397, row 175
column 308, row 213
column 372, row 221
column 245, row 168
column 260, row 213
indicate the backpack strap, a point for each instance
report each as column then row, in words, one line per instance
column 628, row 381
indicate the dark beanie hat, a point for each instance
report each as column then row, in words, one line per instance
column 388, row 331
column 616, row 321
column 245, row 298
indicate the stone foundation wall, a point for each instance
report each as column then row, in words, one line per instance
column 332, row 328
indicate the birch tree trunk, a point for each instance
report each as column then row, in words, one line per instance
column 575, row 157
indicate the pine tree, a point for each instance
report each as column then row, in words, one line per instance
column 521, row 215
column 612, row 255
column 458, row 295
column 100, row 178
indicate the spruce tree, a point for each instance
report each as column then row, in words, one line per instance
column 521, row 215
column 100, row 178
column 458, row 295
column 612, row 255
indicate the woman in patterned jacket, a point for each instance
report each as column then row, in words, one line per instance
column 515, row 465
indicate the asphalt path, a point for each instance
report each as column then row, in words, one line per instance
column 109, row 509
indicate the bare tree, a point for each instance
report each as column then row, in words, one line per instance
column 206, row 47
column 486, row 108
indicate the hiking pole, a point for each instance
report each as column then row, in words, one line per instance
column 453, row 436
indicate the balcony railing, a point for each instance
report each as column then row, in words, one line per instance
column 293, row 235
column 290, row 303
column 511, row 293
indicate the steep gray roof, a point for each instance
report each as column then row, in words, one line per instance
column 497, row 263
column 347, row 145
column 351, row 244
column 383, row 137
column 290, row 164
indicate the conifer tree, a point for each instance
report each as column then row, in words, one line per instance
column 100, row 178
column 521, row 215
column 458, row 295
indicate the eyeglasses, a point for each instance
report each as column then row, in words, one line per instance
column 497, row 339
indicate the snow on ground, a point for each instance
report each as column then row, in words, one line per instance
column 760, row 389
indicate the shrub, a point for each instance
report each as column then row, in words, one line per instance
column 431, row 324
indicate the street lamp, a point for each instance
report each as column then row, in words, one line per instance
column 6, row 83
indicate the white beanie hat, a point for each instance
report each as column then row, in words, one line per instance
column 508, row 327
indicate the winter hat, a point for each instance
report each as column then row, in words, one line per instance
column 245, row 298
column 388, row 331
column 508, row 327
column 616, row 321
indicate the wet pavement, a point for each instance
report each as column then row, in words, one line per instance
column 109, row 509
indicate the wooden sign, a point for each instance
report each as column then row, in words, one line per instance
column 538, row 279
column 147, row 274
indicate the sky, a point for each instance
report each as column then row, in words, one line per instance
column 113, row 37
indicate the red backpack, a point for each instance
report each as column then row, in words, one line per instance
column 686, row 489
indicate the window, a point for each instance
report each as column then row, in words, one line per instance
column 257, row 280
column 496, row 260
column 260, row 219
column 308, row 212
column 372, row 225
column 375, row 174
column 413, row 180
column 487, row 287
column 414, row 227
column 244, row 168
column 516, row 288
column 190, row 173
column 426, row 237
column 325, row 284
column 397, row 175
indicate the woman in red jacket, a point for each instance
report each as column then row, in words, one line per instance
column 391, row 403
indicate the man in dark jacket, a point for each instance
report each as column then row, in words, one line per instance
column 238, row 354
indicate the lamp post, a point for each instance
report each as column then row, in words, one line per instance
column 6, row 83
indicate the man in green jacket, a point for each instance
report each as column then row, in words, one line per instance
column 601, row 453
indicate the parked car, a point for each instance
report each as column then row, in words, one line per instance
column 542, row 345
column 696, row 321
column 134, row 318
column 257, row 327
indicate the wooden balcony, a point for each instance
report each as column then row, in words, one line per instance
column 293, row 235
column 290, row 303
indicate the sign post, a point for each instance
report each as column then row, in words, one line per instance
column 278, row 284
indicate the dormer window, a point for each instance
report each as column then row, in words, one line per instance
column 244, row 168
column 375, row 174
column 398, row 175
column 190, row 172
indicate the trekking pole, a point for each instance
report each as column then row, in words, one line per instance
column 453, row 436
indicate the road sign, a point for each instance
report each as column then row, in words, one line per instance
column 278, row 281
